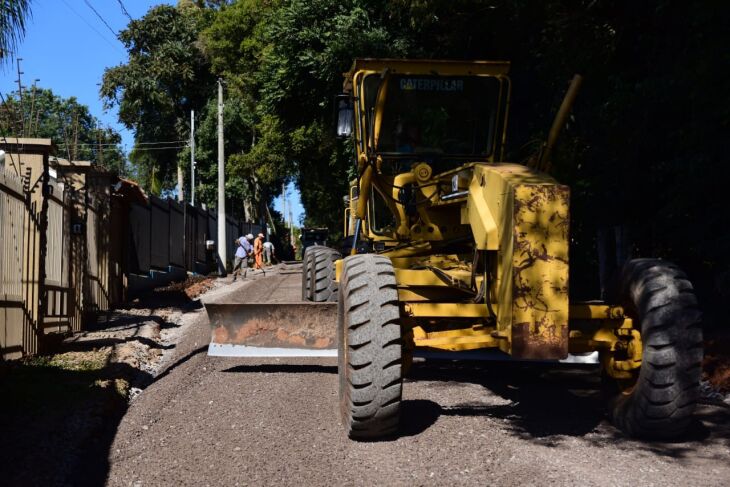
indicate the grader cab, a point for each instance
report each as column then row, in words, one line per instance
column 455, row 251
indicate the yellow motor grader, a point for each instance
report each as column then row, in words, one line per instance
column 455, row 251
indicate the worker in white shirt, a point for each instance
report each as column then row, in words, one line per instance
column 269, row 252
column 239, row 262
column 246, row 242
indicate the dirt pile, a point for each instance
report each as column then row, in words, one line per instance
column 193, row 286
column 716, row 364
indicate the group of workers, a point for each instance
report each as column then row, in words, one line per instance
column 249, row 248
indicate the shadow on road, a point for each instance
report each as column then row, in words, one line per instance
column 84, row 345
column 284, row 369
column 545, row 404
column 542, row 403
column 59, row 413
column 417, row 415
column 57, row 425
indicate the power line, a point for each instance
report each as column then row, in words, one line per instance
column 171, row 142
column 101, row 18
column 120, row 147
column 120, row 150
column 158, row 148
column 91, row 26
column 124, row 10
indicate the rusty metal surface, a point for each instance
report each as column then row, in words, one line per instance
column 283, row 325
column 540, row 272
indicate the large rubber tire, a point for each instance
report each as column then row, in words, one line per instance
column 370, row 348
column 658, row 296
column 307, row 259
column 306, row 275
column 324, row 285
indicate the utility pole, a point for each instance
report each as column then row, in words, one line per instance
column 221, row 188
column 76, row 136
column 32, row 108
column 192, row 157
column 181, row 192
column 180, row 184
column 284, row 212
column 20, row 97
column 100, row 153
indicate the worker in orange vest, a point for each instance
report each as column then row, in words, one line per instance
column 258, row 251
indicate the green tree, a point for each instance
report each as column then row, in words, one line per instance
column 165, row 77
column 285, row 58
column 75, row 131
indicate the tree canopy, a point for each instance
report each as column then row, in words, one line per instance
column 77, row 134
column 165, row 77
column 14, row 15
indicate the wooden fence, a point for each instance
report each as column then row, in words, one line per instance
column 13, row 248
column 166, row 235
column 70, row 252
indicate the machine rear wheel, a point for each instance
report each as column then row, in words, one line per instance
column 307, row 259
column 370, row 348
column 322, row 268
column 660, row 299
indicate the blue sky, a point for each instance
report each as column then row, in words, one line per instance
column 67, row 47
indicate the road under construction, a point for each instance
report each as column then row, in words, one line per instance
column 252, row 421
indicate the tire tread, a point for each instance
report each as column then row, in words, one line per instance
column 663, row 400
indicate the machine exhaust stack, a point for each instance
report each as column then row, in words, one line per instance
column 544, row 163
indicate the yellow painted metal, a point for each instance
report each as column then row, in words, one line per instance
column 591, row 311
column 420, row 294
column 429, row 67
column 485, row 202
column 359, row 135
column 544, row 163
column 455, row 340
column 507, row 100
column 413, row 249
column 524, row 215
column 431, row 226
column 379, row 106
column 403, row 228
column 446, row 310
column 346, row 227
column 537, row 267
column 588, row 334
column 338, row 269
column 619, row 343
column 365, row 186
column 426, row 277
column 623, row 360
column 518, row 218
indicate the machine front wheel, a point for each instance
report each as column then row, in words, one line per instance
column 660, row 299
column 370, row 347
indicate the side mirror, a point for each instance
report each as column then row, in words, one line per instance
column 345, row 115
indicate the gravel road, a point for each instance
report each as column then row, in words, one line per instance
column 216, row 421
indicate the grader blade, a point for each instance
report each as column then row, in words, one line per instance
column 301, row 329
